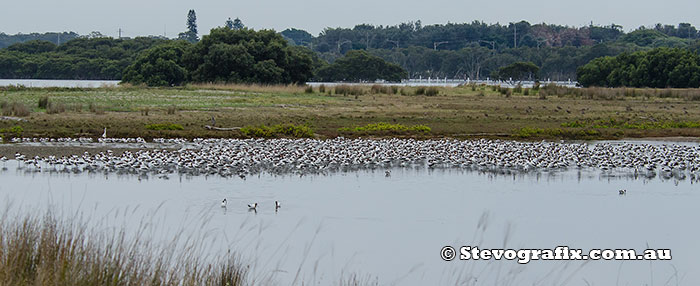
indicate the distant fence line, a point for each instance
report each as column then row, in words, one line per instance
column 453, row 82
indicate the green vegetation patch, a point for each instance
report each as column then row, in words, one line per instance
column 619, row 124
column 383, row 127
column 529, row 132
column 164, row 126
column 15, row 131
column 279, row 130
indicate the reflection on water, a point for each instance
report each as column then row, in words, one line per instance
column 394, row 227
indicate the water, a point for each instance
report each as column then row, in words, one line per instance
column 58, row 83
column 412, row 82
column 393, row 228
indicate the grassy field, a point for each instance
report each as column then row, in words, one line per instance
column 366, row 111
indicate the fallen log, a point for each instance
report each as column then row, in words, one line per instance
column 221, row 128
column 11, row 118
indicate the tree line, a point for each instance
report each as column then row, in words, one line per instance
column 233, row 53
column 477, row 50
column 55, row 38
column 80, row 58
column 657, row 68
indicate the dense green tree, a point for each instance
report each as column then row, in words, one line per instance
column 159, row 66
column 246, row 56
column 361, row 66
column 643, row 37
column 297, row 37
column 518, row 71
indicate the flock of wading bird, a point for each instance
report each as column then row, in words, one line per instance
column 243, row 157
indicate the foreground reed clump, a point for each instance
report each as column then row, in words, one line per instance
column 50, row 251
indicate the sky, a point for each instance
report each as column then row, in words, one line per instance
column 158, row 17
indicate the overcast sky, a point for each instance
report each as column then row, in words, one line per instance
column 154, row 17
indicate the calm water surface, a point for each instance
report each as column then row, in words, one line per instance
column 58, row 83
column 393, row 228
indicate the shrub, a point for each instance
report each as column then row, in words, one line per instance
column 55, row 108
column 15, row 131
column 518, row 89
column 309, row 89
column 171, row 110
column 322, row 88
column 394, row 89
column 164, row 126
column 96, row 109
column 432, row 91
column 420, row 90
column 345, row 89
column 43, row 102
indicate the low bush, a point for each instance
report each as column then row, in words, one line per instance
column 43, row 102
column 12, row 132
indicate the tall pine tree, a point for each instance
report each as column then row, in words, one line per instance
column 191, row 34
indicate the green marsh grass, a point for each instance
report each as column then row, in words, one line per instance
column 383, row 127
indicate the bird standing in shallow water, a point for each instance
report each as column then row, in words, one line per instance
column 223, row 203
column 104, row 134
column 253, row 206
